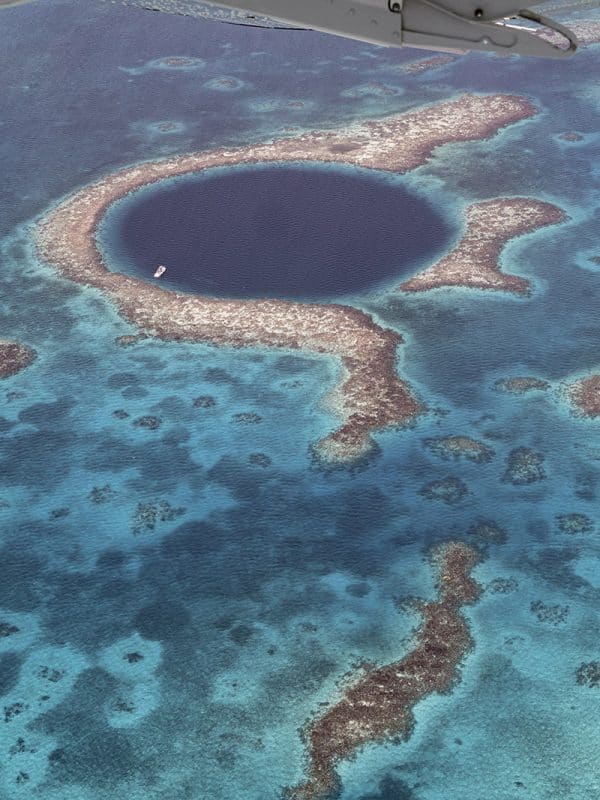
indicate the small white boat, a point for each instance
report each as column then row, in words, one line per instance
column 160, row 270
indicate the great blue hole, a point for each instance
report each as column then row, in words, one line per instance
column 300, row 231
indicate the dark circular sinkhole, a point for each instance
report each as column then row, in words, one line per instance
column 302, row 232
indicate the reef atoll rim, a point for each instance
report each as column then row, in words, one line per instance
column 14, row 357
column 370, row 395
column 379, row 704
column 475, row 261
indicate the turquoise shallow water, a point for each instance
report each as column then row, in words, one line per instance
column 187, row 591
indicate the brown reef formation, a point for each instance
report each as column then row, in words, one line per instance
column 460, row 446
column 585, row 396
column 379, row 706
column 570, row 136
column 474, row 262
column 370, row 395
column 426, row 64
column 14, row 357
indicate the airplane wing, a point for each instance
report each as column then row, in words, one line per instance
column 446, row 25
column 202, row 10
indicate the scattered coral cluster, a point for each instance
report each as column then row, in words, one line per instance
column 147, row 515
column 448, row 490
column 588, row 674
column 554, row 614
column 521, row 384
column 524, row 466
column 487, row 532
column 460, row 446
column 575, row 523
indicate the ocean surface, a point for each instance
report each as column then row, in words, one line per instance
column 177, row 597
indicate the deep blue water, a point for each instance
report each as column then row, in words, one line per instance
column 303, row 232
column 250, row 596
